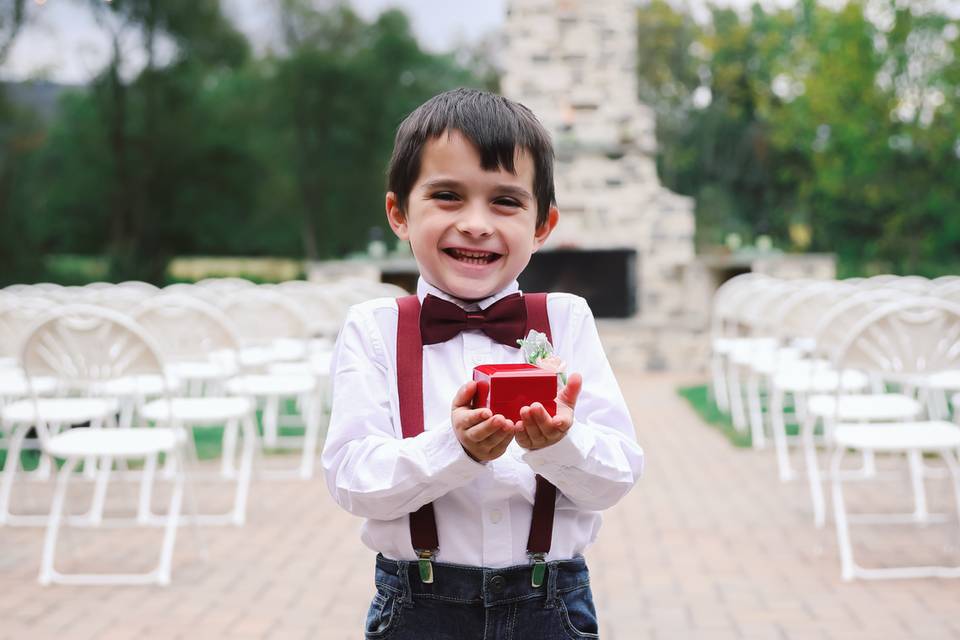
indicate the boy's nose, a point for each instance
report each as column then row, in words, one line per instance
column 475, row 221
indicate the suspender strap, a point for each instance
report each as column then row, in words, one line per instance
column 545, row 499
column 423, row 524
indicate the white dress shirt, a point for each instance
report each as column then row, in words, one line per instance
column 483, row 511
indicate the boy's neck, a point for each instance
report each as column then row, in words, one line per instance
column 424, row 287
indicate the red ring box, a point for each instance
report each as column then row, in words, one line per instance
column 505, row 388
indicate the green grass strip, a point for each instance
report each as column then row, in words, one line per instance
column 699, row 399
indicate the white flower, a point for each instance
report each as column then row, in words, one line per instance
column 538, row 351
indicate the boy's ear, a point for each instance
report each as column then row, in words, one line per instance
column 398, row 221
column 540, row 235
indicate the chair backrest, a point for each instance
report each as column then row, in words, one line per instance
column 917, row 336
column 319, row 303
column 948, row 290
column 18, row 315
column 727, row 299
column 801, row 311
column 262, row 316
column 186, row 329
column 82, row 346
column 837, row 320
column 754, row 312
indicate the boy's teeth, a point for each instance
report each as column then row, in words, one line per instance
column 473, row 257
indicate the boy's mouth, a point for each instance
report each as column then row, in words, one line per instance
column 472, row 257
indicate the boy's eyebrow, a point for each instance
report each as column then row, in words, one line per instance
column 508, row 189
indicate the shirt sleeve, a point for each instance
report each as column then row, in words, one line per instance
column 599, row 460
column 371, row 471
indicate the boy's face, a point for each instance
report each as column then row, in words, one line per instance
column 471, row 231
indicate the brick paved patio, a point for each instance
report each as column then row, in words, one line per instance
column 709, row 545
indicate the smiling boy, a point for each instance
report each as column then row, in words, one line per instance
column 448, row 491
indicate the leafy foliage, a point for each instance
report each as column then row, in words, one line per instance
column 213, row 152
column 837, row 121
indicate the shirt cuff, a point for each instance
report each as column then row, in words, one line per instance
column 444, row 452
column 572, row 451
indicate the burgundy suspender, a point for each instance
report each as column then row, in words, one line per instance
column 423, row 524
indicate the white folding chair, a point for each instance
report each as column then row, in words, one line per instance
column 275, row 330
column 897, row 342
column 83, row 348
column 725, row 333
column 201, row 345
column 860, row 400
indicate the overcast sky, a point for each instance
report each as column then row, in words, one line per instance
column 62, row 41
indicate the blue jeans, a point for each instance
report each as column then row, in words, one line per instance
column 473, row 603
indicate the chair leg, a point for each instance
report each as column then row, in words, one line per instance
column 756, row 410
column 737, row 412
column 227, row 469
column 840, row 517
column 807, row 429
column 720, row 393
column 10, row 470
column 53, row 523
column 239, row 513
column 311, row 434
column 953, row 467
column 95, row 514
column 144, row 512
column 271, row 416
column 173, row 521
column 915, row 462
column 779, row 429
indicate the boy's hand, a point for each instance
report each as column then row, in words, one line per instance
column 539, row 429
column 482, row 435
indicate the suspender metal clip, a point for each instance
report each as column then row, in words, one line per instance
column 425, row 562
column 539, row 568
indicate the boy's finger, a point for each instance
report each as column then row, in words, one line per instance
column 482, row 431
column 469, row 418
column 533, row 431
column 498, row 438
column 464, row 395
column 539, row 415
column 571, row 391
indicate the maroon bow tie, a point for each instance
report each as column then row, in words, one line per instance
column 503, row 321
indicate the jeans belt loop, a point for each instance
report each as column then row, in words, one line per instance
column 406, row 598
column 553, row 568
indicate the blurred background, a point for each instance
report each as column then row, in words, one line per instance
column 137, row 132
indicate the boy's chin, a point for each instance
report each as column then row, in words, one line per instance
column 471, row 291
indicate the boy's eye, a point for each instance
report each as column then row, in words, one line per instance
column 507, row 202
column 448, row 196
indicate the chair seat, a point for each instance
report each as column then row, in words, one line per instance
column 276, row 351
column 201, row 370
column 197, row 410
column 287, row 384
column 945, row 380
column 13, row 384
column 152, row 385
column 112, row 442
column 901, row 436
column 879, row 407
column 799, row 381
column 317, row 366
column 729, row 345
column 63, row 410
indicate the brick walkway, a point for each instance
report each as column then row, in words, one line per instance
column 709, row 545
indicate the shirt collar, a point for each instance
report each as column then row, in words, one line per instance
column 424, row 287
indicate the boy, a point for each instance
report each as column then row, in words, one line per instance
column 448, row 491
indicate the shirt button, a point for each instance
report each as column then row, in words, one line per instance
column 496, row 584
column 496, row 516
